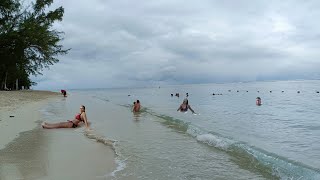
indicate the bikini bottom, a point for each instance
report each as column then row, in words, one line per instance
column 73, row 124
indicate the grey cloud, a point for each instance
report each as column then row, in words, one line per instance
column 130, row 43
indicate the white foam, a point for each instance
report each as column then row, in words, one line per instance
column 99, row 138
column 213, row 140
column 121, row 165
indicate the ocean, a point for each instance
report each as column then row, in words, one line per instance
column 229, row 137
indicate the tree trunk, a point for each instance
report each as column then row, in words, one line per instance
column 17, row 84
column 5, row 81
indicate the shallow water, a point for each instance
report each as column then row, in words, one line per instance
column 229, row 138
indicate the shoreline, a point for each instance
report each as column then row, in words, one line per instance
column 29, row 152
column 15, row 108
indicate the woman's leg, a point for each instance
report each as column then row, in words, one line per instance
column 57, row 125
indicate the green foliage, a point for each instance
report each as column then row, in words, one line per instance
column 27, row 41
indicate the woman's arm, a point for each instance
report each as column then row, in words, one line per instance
column 85, row 119
column 179, row 108
column 190, row 109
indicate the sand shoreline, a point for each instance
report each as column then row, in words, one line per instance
column 19, row 112
column 29, row 152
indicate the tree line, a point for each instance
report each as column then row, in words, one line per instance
column 28, row 42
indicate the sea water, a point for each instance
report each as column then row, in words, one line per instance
column 229, row 137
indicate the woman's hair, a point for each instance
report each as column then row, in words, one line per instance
column 186, row 100
column 84, row 108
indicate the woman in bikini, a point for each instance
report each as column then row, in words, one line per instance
column 80, row 117
column 185, row 106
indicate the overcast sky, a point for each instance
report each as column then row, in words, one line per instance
column 117, row 43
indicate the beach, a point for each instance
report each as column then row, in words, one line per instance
column 29, row 152
column 229, row 137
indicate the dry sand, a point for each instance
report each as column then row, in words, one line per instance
column 29, row 152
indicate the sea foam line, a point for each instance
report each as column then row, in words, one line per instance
column 120, row 164
column 277, row 165
column 101, row 139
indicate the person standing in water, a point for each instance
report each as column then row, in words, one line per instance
column 64, row 92
column 185, row 106
column 80, row 117
column 136, row 106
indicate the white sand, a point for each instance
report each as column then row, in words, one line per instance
column 24, row 106
column 29, row 152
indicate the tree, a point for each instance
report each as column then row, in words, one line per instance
column 28, row 43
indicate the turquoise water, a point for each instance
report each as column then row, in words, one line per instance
column 229, row 137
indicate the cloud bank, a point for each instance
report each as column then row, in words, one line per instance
column 128, row 43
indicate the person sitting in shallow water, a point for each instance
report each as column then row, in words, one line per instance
column 185, row 106
column 80, row 117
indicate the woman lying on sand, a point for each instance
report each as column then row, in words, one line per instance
column 80, row 117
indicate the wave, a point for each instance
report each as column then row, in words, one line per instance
column 170, row 122
column 101, row 139
column 121, row 164
column 268, row 164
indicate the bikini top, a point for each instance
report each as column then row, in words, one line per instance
column 184, row 109
column 78, row 116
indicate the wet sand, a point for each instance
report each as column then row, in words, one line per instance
column 29, row 152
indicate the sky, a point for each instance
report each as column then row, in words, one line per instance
column 126, row 43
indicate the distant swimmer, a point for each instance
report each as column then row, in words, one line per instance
column 258, row 101
column 80, row 117
column 215, row 94
column 185, row 106
column 136, row 106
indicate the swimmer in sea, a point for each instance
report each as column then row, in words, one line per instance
column 136, row 106
column 258, row 101
column 185, row 106
column 80, row 117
